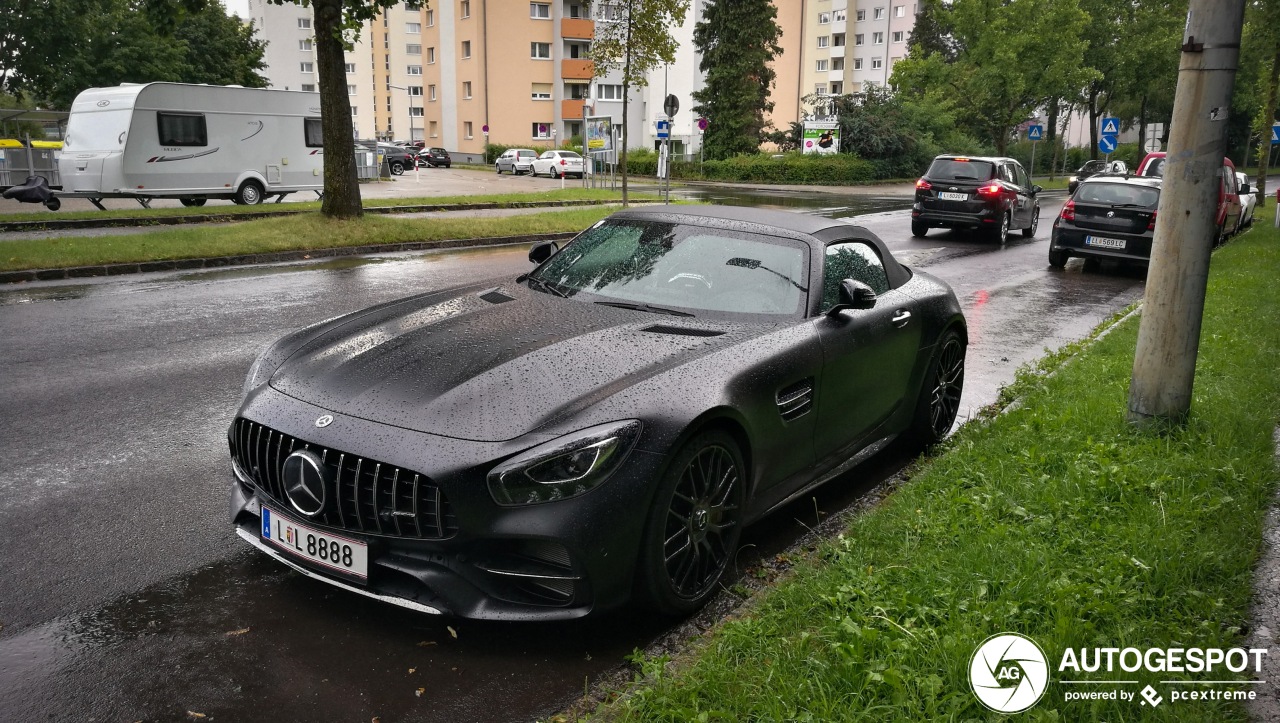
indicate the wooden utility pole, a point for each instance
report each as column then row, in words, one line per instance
column 1164, row 364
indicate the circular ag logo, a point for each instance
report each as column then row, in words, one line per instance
column 1008, row 673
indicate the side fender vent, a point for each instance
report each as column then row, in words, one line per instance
column 494, row 296
column 796, row 400
column 681, row 330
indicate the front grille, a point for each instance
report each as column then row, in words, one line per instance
column 372, row 497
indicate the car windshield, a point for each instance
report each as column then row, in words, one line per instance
column 953, row 169
column 681, row 267
column 1118, row 194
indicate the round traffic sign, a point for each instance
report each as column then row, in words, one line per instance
column 1151, row 145
column 484, row 128
column 702, row 124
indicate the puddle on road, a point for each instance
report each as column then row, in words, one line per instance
column 821, row 204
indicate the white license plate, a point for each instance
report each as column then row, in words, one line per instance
column 325, row 549
column 948, row 196
column 1105, row 243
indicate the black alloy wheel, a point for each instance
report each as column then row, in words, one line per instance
column 1030, row 231
column 1002, row 234
column 939, row 401
column 695, row 524
column 397, row 168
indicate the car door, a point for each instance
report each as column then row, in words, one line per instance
column 868, row 354
column 544, row 163
column 504, row 161
column 1025, row 202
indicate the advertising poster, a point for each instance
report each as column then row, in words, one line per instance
column 821, row 137
column 599, row 134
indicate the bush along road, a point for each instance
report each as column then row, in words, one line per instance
column 1055, row 520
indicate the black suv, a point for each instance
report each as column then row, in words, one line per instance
column 435, row 157
column 993, row 195
column 1110, row 217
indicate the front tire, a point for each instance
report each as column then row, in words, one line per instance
column 694, row 524
column 939, row 401
column 397, row 168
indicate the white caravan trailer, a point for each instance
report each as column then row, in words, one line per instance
column 191, row 142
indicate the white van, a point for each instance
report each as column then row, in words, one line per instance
column 192, row 142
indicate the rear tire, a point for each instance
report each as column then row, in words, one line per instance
column 1030, row 231
column 1001, row 234
column 249, row 194
column 192, row 202
column 939, row 401
column 919, row 229
column 694, row 524
column 1058, row 259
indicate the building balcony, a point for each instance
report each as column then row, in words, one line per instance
column 571, row 109
column 571, row 68
column 577, row 28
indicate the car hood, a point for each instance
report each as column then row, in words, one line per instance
column 492, row 365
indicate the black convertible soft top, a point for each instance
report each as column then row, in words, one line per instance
column 818, row 231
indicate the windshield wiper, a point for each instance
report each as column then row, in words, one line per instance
column 644, row 307
column 548, row 286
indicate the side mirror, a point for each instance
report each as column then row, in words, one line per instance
column 543, row 251
column 853, row 295
column 1036, row 189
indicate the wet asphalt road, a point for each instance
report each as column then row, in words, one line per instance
column 124, row 594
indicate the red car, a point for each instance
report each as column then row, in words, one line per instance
column 1229, row 207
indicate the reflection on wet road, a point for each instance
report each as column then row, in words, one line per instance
column 126, row 594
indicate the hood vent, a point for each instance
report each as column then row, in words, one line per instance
column 680, row 330
column 796, row 400
column 495, row 296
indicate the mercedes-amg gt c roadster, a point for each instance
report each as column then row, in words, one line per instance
column 598, row 429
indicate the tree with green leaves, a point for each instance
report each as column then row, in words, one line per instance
column 738, row 40
column 930, row 34
column 635, row 37
column 1263, row 33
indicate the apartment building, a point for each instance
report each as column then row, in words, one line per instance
column 850, row 44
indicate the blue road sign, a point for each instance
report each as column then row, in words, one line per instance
column 1110, row 126
column 1275, row 134
column 1035, row 133
column 664, row 129
column 1107, row 144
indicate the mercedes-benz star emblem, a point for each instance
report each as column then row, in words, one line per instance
column 305, row 482
column 324, row 421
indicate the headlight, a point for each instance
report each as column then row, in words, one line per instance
column 565, row 467
column 1073, row 179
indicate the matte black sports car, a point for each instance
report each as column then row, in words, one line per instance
column 598, row 429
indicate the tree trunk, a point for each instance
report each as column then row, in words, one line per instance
column 341, row 184
column 1142, row 124
column 1054, row 111
column 1269, row 115
column 1093, row 123
column 626, row 97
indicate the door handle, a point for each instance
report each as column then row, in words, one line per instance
column 901, row 318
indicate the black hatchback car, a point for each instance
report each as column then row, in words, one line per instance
column 992, row 195
column 1109, row 217
column 435, row 158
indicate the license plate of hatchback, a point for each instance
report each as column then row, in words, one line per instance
column 1104, row 243
column 949, row 196
column 327, row 550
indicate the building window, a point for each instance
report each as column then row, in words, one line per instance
column 431, row 18
column 899, row 11
column 466, row 130
column 862, row 15
column 540, row 50
column 305, row 45
column 820, row 89
column 350, row 67
column 414, row 70
column 539, row 10
column 415, row 90
column 837, row 88
column 857, row 63
column 577, row 91
column 837, row 64
column 822, row 66
column 897, row 36
column 541, row 91
column 434, row 129
column 431, row 55
column 415, row 111
column 307, row 67
column 182, row 129
column 413, row 28
column 351, row 90
column 575, row 11
column 824, row 18
column 304, row 23
column 541, row 130
column 877, row 63
column 412, row 49
column 609, row 92
column 354, row 110
column 837, row 40
column 824, row 41
column 857, row 39
column 466, row 9
column 466, row 49
column 308, row 87
column 877, row 14
column 839, row 16
column 877, row 38
column 431, row 92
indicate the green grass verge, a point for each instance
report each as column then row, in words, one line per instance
column 568, row 194
column 289, row 233
column 1056, row 520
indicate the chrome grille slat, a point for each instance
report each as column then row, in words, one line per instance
column 261, row 451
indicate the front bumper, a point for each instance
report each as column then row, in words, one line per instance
column 552, row 561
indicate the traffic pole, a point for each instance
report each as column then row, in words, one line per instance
column 1173, row 305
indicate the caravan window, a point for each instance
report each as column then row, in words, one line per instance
column 182, row 129
column 311, row 126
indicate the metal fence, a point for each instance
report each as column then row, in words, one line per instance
column 367, row 160
column 18, row 163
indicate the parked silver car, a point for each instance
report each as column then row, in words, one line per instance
column 516, row 160
column 558, row 164
column 1248, row 201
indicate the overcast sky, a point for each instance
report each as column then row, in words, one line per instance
column 237, row 7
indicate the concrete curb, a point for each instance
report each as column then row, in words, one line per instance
column 77, row 272
column 81, row 223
